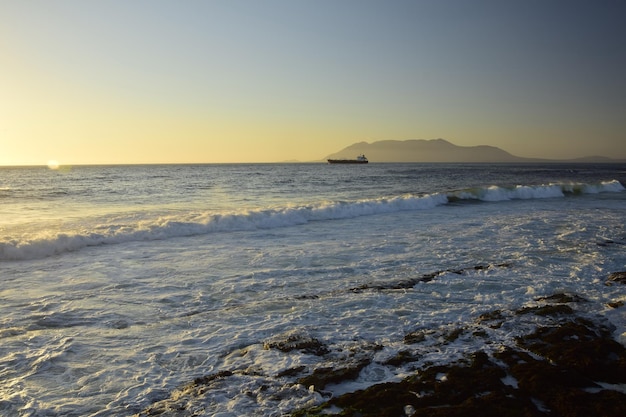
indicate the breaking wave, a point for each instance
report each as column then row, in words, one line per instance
column 52, row 243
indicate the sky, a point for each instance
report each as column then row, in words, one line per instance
column 213, row 81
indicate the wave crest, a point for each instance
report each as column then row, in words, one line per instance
column 53, row 243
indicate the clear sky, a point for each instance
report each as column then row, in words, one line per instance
column 153, row 81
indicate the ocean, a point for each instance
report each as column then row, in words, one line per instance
column 123, row 286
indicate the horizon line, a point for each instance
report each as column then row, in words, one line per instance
column 61, row 167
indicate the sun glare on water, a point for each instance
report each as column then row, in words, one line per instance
column 52, row 164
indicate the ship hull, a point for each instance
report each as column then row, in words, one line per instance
column 346, row 161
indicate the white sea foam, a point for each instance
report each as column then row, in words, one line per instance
column 48, row 243
column 525, row 192
column 201, row 285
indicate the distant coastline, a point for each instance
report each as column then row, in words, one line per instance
column 443, row 151
column 384, row 151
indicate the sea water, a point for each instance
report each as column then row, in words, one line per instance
column 120, row 285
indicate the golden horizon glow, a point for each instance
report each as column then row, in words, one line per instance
column 53, row 164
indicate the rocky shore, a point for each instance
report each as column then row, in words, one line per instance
column 569, row 364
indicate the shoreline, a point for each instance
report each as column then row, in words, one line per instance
column 570, row 364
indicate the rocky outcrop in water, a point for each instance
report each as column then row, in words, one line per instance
column 617, row 278
column 566, row 363
column 573, row 367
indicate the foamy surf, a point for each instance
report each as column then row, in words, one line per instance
column 41, row 245
column 263, row 289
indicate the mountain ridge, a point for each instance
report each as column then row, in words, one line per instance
column 441, row 150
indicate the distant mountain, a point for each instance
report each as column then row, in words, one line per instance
column 437, row 150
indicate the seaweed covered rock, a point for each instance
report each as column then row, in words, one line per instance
column 462, row 389
column 569, row 366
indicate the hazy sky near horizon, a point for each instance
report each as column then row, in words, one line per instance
column 154, row 81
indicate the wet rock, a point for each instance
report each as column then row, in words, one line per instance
column 205, row 380
column 562, row 298
column 410, row 283
column 609, row 242
column 333, row 375
column 401, row 358
column 563, row 368
column 467, row 389
column 297, row 341
column 566, row 366
column 291, row 371
column 617, row 278
column 453, row 335
column 581, row 346
column 548, row 310
column 493, row 319
column 177, row 403
column 307, row 297
column 405, row 284
column 415, row 337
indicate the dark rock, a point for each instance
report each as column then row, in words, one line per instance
column 410, row 283
column 415, row 337
column 324, row 376
column 617, row 278
column 581, row 346
column 467, row 389
column 291, row 371
column 174, row 405
column 554, row 371
column 609, row 242
column 404, row 284
column 548, row 310
column 562, row 298
column 307, row 297
column 493, row 319
column 453, row 335
column 290, row 342
column 401, row 358
column 204, row 380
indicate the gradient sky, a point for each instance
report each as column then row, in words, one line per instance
column 152, row 81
